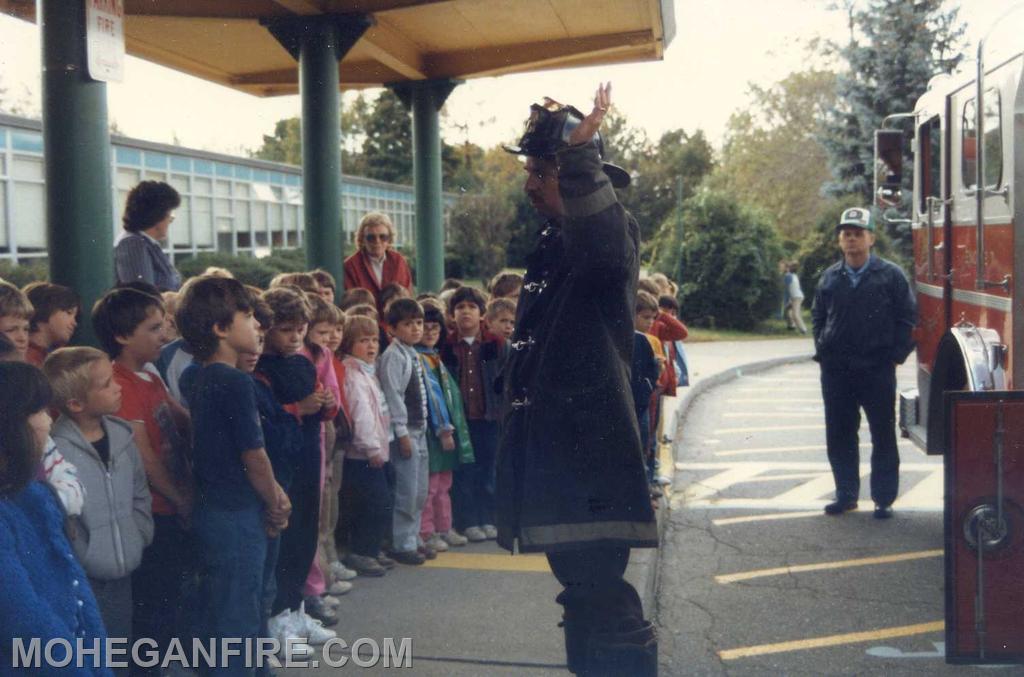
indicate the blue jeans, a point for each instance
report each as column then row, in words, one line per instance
column 232, row 559
column 473, row 483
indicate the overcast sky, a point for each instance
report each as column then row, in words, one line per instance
column 720, row 46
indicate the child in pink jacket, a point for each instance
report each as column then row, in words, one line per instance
column 364, row 481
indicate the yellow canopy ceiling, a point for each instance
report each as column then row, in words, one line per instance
column 224, row 42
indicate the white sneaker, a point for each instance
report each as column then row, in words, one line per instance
column 342, row 572
column 475, row 534
column 437, row 543
column 454, row 538
column 283, row 627
column 663, row 481
column 339, row 587
column 490, row 531
column 314, row 630
column 331, row 602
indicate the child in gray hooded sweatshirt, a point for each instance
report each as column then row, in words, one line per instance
column 116, row 523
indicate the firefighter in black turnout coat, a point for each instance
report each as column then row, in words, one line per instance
column 571, row 479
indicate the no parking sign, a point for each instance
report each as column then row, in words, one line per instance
column 104, row 39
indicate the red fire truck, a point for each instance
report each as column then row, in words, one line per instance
column 967, row 217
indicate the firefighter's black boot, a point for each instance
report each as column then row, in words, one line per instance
column 578, row 629
column 632, row 653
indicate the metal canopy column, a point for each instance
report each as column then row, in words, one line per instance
column 425, row 98
column 79, row 210
column 318, row 43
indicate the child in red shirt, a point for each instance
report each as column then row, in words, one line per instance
column 129, row 325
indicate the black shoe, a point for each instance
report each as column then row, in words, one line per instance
column 839, row 507
column 883, row 512
column 618, row 654
column 411, row 557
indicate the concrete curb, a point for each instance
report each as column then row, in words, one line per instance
column 644, row 564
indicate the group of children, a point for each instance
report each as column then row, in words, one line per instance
column 225, row 439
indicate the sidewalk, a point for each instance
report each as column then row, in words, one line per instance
column 710, row 364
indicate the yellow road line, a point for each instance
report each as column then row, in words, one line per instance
column 820, row 566
column 832, row 640
column 485, row 562
column 765, row 518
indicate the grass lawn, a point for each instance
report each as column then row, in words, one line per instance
column 773, row 328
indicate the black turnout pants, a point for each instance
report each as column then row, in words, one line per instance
column 845, row 390
column 595, row 589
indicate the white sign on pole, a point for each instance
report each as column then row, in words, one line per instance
column 104, row 39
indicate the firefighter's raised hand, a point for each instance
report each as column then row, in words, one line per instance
column 592, row 123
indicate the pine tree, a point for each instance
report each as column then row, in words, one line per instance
column 895, row 48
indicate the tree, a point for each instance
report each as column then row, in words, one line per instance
column 895, row 48
column 285, row 144
column 773, row 156
column 479, row 231
column 728, row 263
column 387, row 149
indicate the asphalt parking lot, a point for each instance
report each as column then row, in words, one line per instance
column 756, row 580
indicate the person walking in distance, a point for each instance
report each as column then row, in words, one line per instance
column 863, row 316
column 795, row 298
column 571, row 481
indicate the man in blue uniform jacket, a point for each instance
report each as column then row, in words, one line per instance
column 864, row 315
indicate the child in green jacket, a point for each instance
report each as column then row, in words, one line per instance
column 448, row 438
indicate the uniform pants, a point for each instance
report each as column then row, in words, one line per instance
column 845, row 391
column 411, row 478
column 437, row 513
column 595, row 589
column 473, row 483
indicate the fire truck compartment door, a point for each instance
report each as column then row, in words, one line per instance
column 984, row 527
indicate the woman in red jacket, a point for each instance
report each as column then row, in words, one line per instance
column 375, row 264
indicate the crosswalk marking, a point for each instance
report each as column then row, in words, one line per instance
column 903, row 444
column 775, row 414
column 775, row 391
column 724, row 521
column 822, row 484
column 788, row 465
column 782, row 476
column 768, row 428
column 714, row 484
column 932, row 485
column 773, row 400
column 713, row 492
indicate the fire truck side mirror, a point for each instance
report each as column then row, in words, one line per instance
column 888, row 167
